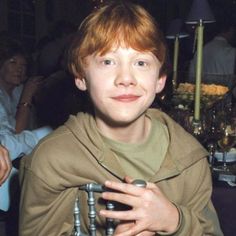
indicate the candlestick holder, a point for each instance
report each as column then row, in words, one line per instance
column 200, row 13
column 176, row 32
column 198, row 130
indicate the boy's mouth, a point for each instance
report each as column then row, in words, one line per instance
column 126, row 98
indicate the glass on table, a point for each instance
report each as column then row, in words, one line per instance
column 226, row 142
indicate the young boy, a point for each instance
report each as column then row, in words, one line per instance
column 118, row 56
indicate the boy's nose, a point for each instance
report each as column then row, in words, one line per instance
column 125, row 77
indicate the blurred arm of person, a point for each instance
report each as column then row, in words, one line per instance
column 5, row 164
column 18, row 143
column 25, row 104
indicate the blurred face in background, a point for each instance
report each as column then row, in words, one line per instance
column 13, row 71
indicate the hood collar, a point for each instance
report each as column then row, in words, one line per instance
column 183, row 151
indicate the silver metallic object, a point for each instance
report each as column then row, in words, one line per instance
column 139, row 183
column 91, row 188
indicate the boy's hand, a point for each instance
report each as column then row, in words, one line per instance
column 124, row 226
column 151, row 210
column 5, row 164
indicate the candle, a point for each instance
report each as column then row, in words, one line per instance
column 175, row 62
column 197, row 100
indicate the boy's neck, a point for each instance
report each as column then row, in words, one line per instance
column 136, row 132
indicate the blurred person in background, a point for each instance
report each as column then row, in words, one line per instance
column 50, row 51
column 219, row 56
column 5, row 164
column 17, row 133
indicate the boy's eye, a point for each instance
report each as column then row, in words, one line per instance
column 108, row 62
column 141, row 63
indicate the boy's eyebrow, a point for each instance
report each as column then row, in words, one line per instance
column 112, row 51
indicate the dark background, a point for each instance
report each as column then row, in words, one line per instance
column 30, row 20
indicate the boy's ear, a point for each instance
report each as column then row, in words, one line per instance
column 161, row 83
column 80, row 83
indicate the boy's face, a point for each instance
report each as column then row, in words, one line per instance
column 122, row 84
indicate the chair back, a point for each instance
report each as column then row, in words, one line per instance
column 92, row 188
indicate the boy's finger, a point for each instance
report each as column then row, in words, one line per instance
column 125, row 188
column 135, row 230
column 125, row 199
column 119, row 215
column 128, row 179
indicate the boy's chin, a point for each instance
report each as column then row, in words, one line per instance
column 121, row 120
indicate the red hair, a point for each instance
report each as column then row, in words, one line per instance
column 116, row 24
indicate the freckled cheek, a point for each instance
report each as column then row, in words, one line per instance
column 96, row 90
column 148, row 80
column 101, row 82
column 149, row 74
column 151, row 89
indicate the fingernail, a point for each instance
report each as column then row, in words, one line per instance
column 107, row 182
column 101, row 212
